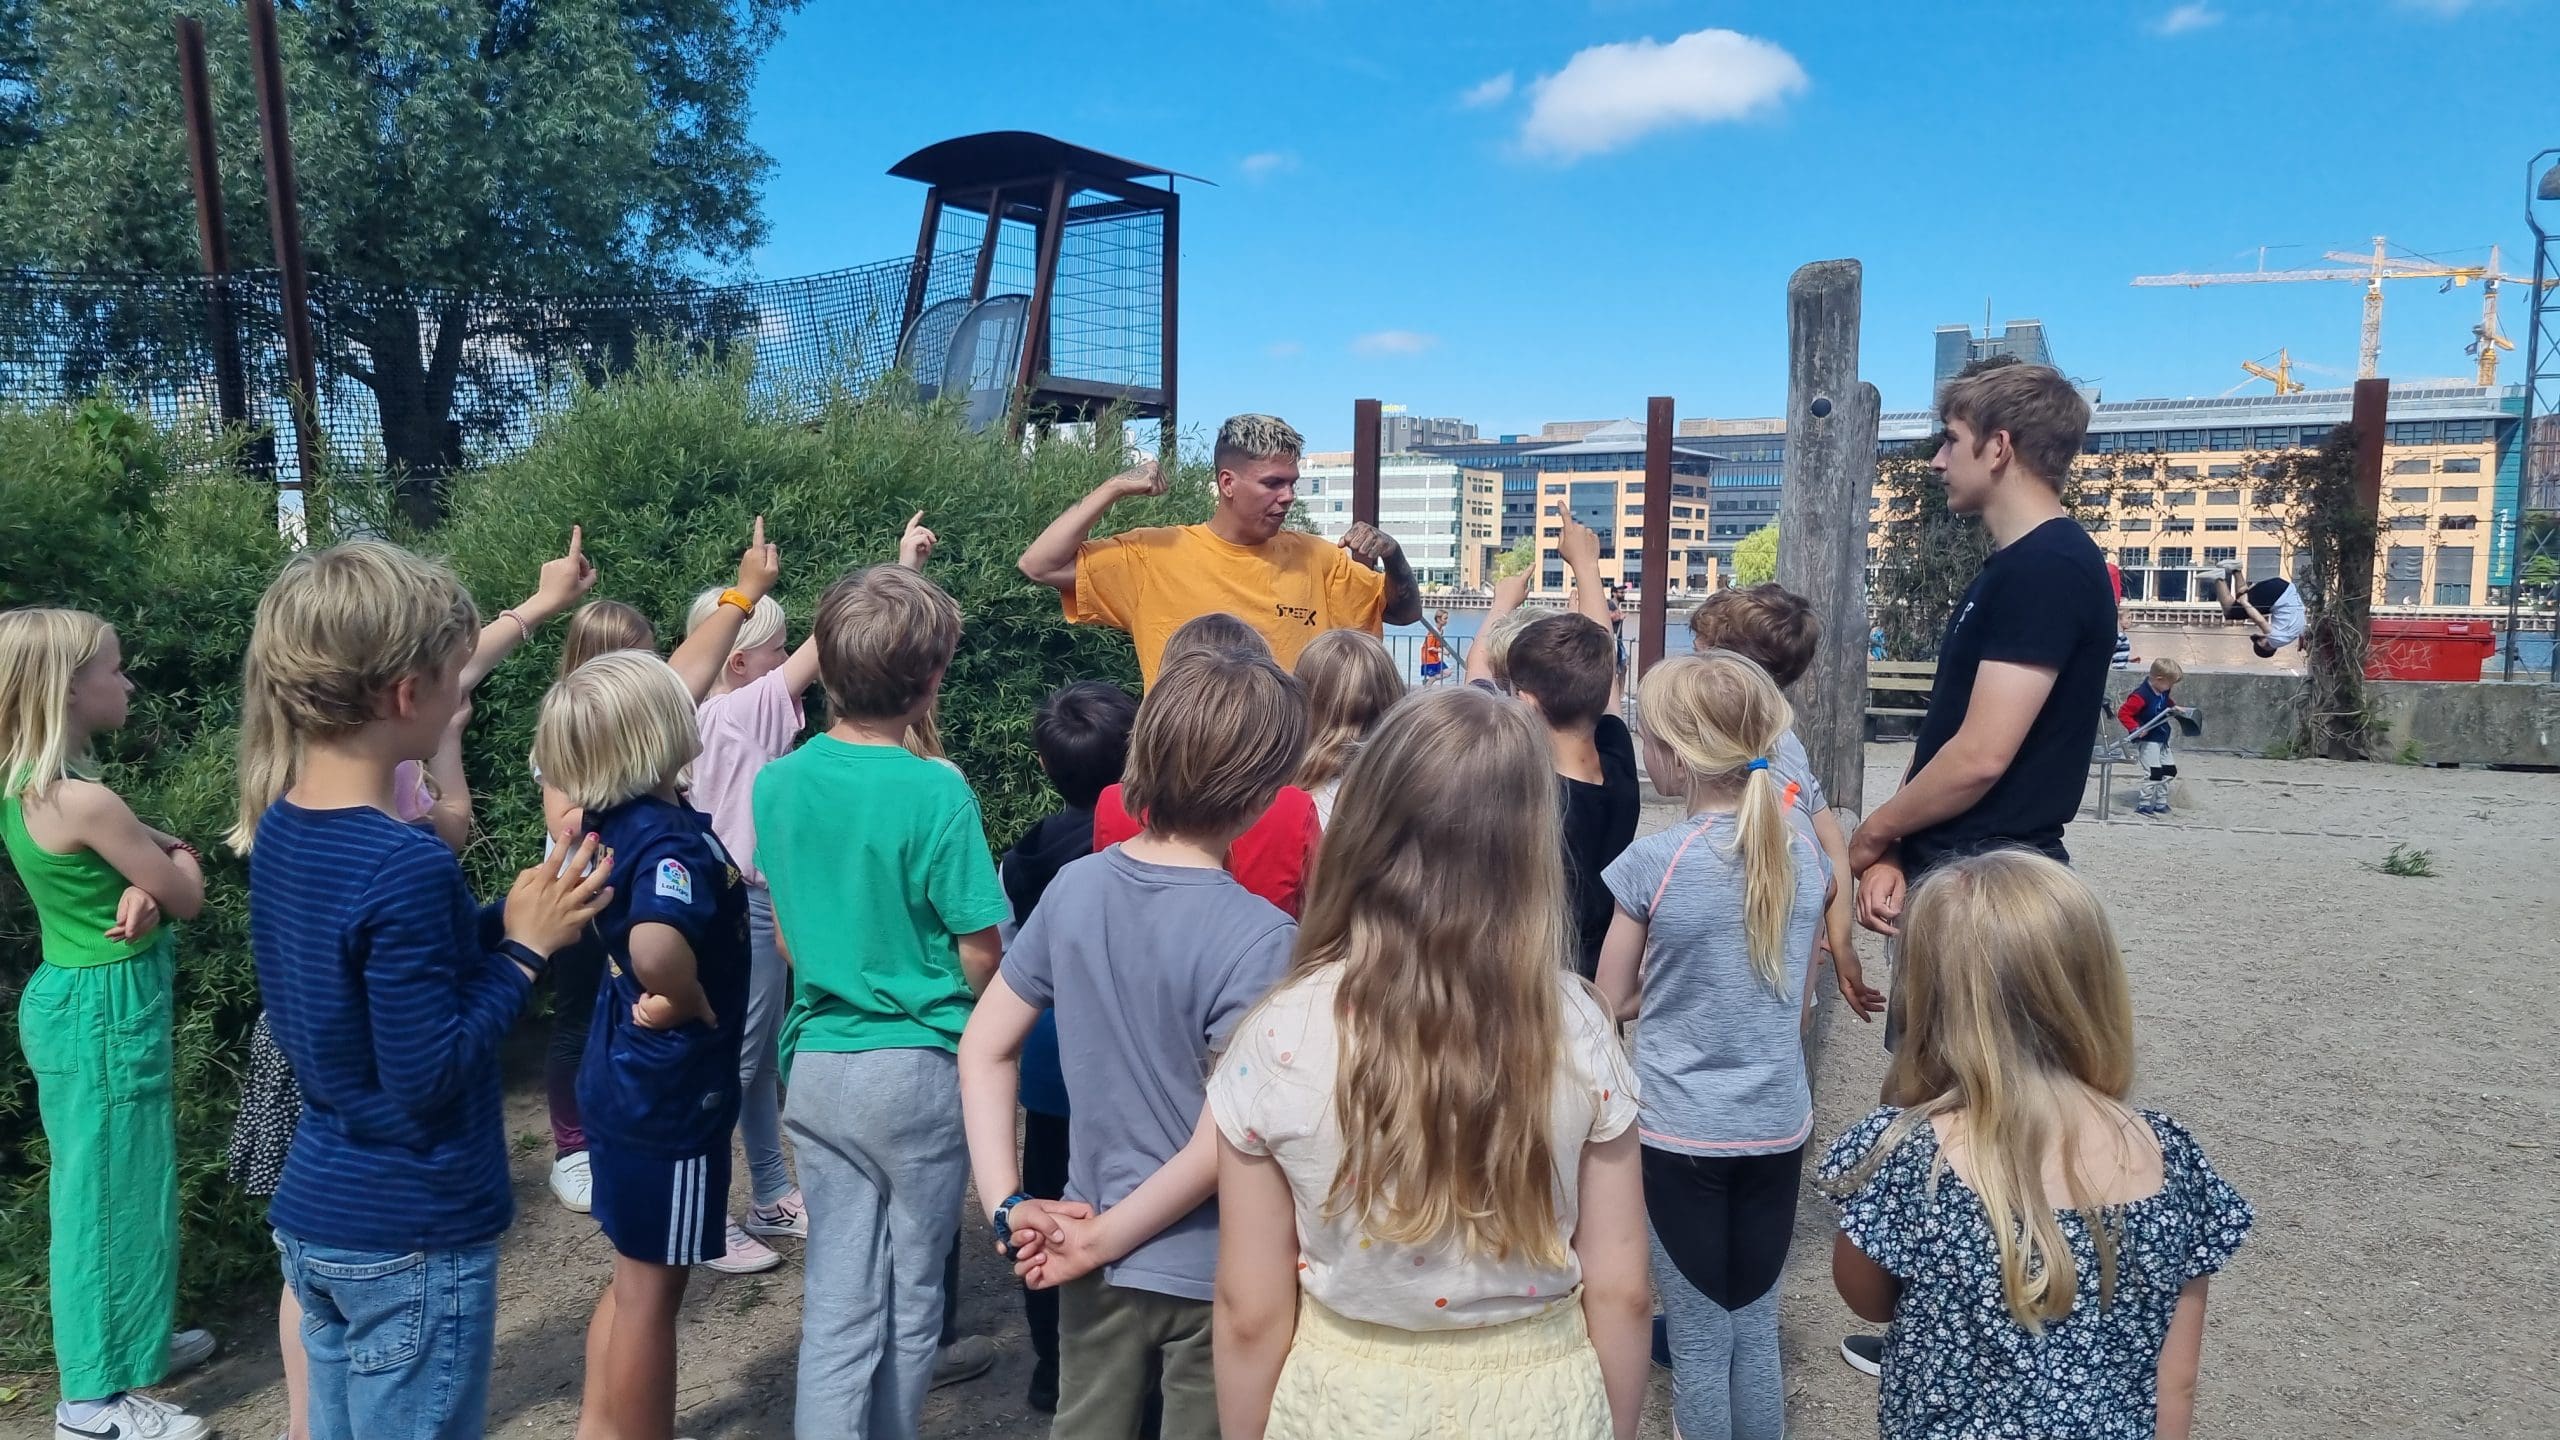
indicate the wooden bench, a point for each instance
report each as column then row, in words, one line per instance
column 1902, row 686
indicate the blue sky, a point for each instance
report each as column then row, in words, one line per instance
column 1618, row 217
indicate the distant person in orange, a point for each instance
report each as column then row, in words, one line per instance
column 1244, row 561
column 1434, row 668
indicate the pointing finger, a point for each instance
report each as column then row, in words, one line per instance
column 758, row 542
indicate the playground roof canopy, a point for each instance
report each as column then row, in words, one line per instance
column 995, row 156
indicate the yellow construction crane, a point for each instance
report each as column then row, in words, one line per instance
column 2371, row 271
column 2281, row 377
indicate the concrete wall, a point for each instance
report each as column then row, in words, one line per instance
column 2250, row 711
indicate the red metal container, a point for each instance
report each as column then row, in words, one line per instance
column 2428, row 649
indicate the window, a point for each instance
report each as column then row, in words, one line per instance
column 2453, row 575
column 2222, row 497
column 2266, row 524
column 2182, row 497
column 2409, row 494
column 2264, row 438
column 2175, row 561
column 2100, row 523
column 2411, row 432
column 2266, row 562
column 2458, row 492
column 2138, row 499
column 2134, row 557
column 2462, row 465
column 2176, row 557
column 2223, row 472
column 2401, row 575
column 2216, row 554
column 2415, row 465
column 2227, row 522
column 2134, row 583
column 2458, row 522
column 2185, row 440
column 2178, row 523
column 2409, row 522
column 2182, row 472
column 2226, row 439
column 2465, row 432
column 2136, row 522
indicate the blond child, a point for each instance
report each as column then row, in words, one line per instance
column 382, row 991
column 1351, row 683
column 659, row 1087
column 1417, row 1238
column 2040, row 1248
column 2146, row 715
column 887, row 903
column 1712, row 943
column 1148, row 952
column 94, row 1020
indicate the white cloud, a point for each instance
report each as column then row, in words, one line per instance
column 1492, row 90
column 1263, row 164
column 1284, row 349
column 2196, row 15
column 1393, row 342
column 1610, row 96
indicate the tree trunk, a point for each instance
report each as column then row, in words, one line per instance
column 1822, row 516
column 414, row 392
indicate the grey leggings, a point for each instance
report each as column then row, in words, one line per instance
column 759, row 1068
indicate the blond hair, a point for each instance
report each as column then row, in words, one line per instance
column 1721, row 717
column 618, row 726
column 41, row 648
column 1351, row 683
column 2167, row 669
column 1497, row 638
column 765, row 624
column 337, row 628
column 601, row 627
column 1215, row 739
column 1255, row 437
column 884, row 634
column 1215, row 633
column 1438, row 892
column 2015, row 1003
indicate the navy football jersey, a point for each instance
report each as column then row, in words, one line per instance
column 668, row 1093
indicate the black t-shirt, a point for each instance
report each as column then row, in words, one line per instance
column 2043, row 600
column 2267, row 592
column 1599, row 822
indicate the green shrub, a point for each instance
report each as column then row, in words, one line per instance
column 666, row 468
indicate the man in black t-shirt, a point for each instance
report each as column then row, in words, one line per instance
column 2003, row 754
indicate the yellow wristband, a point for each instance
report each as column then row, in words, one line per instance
column 739, row 599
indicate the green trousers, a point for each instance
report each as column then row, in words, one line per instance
column 97, row 1038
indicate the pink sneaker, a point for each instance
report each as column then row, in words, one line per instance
column 787, row 1217
column 747, row 1254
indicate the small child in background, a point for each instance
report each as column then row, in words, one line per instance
column 659, row 1088
column 1565, row 667
column 1435, row 668
column 1148, row 952
column 1272, row 857
column 887, row 904
column 1714, row 934
column 1351, row 684
column 387, row 992
column 1419, row 1238
column 1081, row 736
column 1776, row 629
column 2148, row 713
column 2040, row 1247
column 94, row 1020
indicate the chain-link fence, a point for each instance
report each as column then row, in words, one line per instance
column 426, row 380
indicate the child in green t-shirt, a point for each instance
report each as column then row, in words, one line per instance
column 888, row 902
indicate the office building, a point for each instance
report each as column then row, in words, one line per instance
column 1442, row 514
column 1958, row 346
column 1402, row 434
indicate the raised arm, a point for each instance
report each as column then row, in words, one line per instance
column 1051, row 559
column 1579, row 545
column 564, row 582
column 1372, row 546
column 1508, row 595
column 800, row 671
column 698, row 660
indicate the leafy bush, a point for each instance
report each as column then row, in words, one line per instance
column 666, row 468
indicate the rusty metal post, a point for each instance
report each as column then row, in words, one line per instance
column 1654, row 605
column 2370, row 420
column 284, row 219
column 925, row 236
column 1366, row 418
column 1044, row 290
column 987, row 246
column 204, row 167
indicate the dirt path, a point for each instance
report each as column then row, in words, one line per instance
column 2368, row 1058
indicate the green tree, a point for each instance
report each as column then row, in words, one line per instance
column 524, row 146
column 1928, row 554
column 1755, row 558
column 2541, row 572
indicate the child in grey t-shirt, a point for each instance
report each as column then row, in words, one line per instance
column 1714, row 936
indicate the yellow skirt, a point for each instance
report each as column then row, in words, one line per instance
column 1534, row 1379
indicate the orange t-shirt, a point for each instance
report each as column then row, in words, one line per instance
column 1271, row 859
column 1292, row 587
column 1430, row 648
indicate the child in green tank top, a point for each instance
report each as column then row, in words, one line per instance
column 94, row 1021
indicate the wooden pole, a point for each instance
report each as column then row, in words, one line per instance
column 284, row 221
column 1654, row 604
column 1365, row 420
column 1822, row 516
column 986, row 265
column 926, row 236
column 1044, row 289
column 2338, row 678
column 213, row 240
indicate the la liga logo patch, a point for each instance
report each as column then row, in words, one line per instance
column 675, row 882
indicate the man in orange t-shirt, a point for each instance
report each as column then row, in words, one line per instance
column 1289, row 585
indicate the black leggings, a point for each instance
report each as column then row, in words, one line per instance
column 1724, row 1220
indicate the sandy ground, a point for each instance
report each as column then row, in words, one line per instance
column 2368, row 1058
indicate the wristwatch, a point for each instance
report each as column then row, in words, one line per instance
column 1004, row 1219
column 737, row 597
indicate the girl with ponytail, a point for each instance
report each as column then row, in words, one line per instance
column 1711, row 944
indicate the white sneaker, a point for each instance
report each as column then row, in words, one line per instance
column 787, row 1217
column 131, row 1416
column 571, row 1182
column 747, row 1254
column 189, row 1349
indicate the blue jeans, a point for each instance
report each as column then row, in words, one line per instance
column 399, row 1344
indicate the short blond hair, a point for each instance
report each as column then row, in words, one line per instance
column 2167, row 669
column 765, row 624
column 885, row 634
column 619, row 726
column 41, row 648
column 1497, row 638
column 1255, row 437
column 1216, row 738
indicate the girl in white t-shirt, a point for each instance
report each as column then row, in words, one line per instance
column 1431, row 1216
column 1351, row 683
